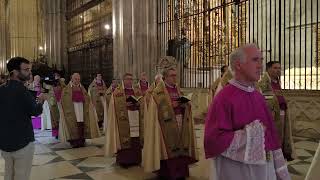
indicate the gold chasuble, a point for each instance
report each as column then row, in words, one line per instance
column 165, row 138
column 123, row 132
column 283, row 124
column 214, row 86
column 90, row 120
column 148, row 95
column 54, row 109
column 227, row 76
column 54, row 97
column 97, row 93
column 212, row 91
column 108, row 95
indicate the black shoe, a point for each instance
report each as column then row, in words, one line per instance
column 288, row 157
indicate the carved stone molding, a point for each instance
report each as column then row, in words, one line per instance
column 304, row 112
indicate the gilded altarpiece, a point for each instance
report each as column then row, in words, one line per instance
column 204, row 32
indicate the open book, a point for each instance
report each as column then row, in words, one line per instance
column 134, row 99
column 185, row 99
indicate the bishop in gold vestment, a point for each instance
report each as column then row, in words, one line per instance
column 54, row 101
column 97, row 90
column 79, row 118
column 123, row 132
column 215, row 84
column 169, row 143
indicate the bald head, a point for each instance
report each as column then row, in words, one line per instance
column 75, row 78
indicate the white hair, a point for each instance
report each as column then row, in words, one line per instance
column 37, row 77
column 240, row 54
column 165, row 71
column 158, row 76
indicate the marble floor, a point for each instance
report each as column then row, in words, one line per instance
column 54, row 160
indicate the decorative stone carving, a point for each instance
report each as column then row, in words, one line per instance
column 199, row 103
column 304, row 112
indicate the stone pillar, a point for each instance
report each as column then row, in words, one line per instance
column 134, row 37
column 55, row 28
column 25, row 28
column 3, row 37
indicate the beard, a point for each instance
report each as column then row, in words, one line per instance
column 23, row 77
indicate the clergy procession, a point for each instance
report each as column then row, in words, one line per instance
column 247, row 136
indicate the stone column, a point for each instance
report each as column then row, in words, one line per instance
column 134, row 37
column 55, row 28
column 3, row 37
column 25, row 28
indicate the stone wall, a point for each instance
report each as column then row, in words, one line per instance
column 29, row 28
column 199, row 102
column 3, row 36
column 304, row 109
column 304, row 112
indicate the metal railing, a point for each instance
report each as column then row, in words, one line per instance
column 202, row 33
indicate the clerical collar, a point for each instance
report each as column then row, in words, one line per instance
column 241, row 85
column 36, row 84
column 72, row 85
column 170, row 86
column 98, row 81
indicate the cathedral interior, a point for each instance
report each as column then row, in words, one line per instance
column 114, row 37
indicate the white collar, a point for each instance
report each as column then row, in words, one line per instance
column 72, row 85
column 170, row 86
column 241, row 86
column 96, row 81
column 123, row 86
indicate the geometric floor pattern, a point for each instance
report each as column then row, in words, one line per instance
column 54, row 160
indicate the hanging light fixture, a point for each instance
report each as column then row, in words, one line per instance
column 107, row 26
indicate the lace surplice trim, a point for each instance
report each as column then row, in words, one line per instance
column 236, row 148
column 255, row 148
column 280, row 165
column 247, row 145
